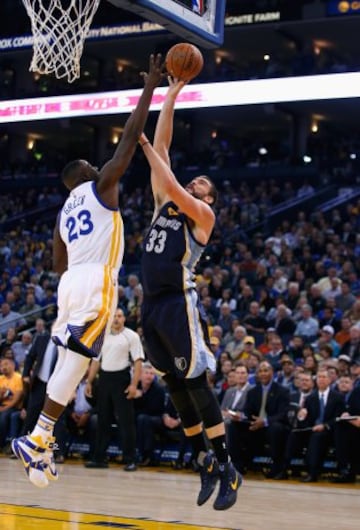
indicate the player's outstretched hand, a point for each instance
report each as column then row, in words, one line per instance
column 156, row 70
column 175, row 85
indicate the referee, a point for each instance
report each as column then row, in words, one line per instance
column 117, row 387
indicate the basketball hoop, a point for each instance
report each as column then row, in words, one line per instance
column 59, row 33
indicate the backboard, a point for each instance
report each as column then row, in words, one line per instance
column 197, row 21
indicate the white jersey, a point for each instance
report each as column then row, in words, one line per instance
column 92, row 232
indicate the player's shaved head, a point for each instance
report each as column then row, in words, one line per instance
column 77, row 172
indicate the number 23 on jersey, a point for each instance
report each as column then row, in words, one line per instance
column 79, row 225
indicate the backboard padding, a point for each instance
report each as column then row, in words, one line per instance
column 177, row 17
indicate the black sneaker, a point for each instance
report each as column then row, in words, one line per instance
column 209, row 475
column 230, row 482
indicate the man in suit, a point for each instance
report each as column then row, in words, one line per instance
column 39, row 364
column 235, row 397
column 347, row 439
column 298, row 396
column 232, row 408
column 265, row 418
column 316, row 421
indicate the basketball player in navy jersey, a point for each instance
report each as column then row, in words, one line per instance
column 88, row 251
column 174, row 329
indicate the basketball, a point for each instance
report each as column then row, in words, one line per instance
column 184, row 61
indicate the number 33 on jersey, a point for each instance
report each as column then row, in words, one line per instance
column 170, row 253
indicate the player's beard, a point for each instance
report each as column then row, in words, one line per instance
column 194, row 194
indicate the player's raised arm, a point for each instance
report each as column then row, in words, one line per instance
column 163, row 136
column 195, row 206
column 113, row 170
column 164, row 126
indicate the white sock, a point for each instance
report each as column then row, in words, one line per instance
column 44, row 427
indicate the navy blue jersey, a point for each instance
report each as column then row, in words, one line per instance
column 170, row 253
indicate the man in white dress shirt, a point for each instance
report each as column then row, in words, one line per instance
column 117, row 386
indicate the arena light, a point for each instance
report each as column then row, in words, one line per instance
column 234, row 93
column 314, row 128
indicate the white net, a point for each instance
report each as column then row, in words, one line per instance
column 59, row 29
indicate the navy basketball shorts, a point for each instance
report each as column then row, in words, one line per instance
column 176, row 335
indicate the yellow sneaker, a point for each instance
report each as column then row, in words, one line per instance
column 31, row 451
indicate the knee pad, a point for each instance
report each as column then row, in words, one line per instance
column 205, row 400
column 182, row 401
column 200, row 391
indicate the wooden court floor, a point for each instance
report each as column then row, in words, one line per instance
column 160, row 499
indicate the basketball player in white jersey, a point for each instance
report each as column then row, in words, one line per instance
column 87, row 252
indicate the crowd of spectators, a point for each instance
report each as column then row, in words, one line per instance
column 291, row 298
